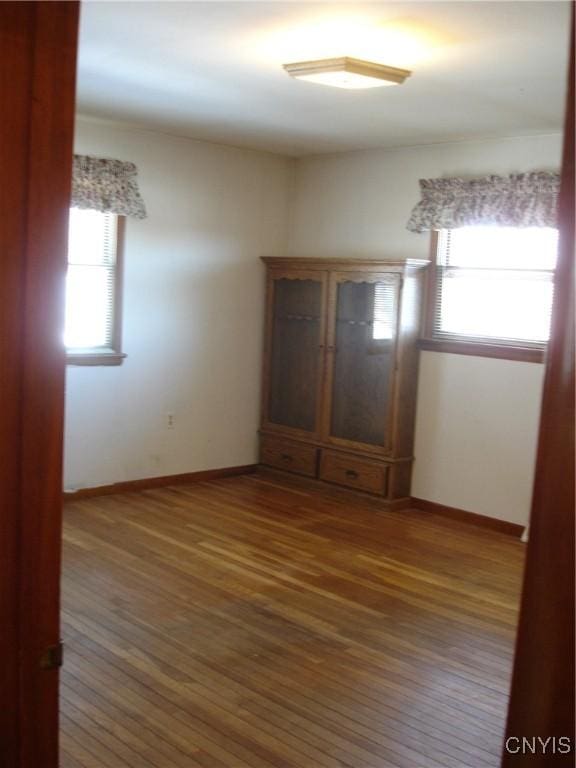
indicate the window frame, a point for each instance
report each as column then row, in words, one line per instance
column 112, row 355
column 462, row 346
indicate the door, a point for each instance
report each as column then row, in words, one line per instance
column 294, row 354
column 542, row 693
column 361, row 359
column 37, row 73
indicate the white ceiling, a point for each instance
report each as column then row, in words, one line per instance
column 213, row 70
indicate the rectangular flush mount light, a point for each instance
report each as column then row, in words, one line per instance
column 347, row 73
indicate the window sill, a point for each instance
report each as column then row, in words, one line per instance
column 478, row 349
column 95, row 358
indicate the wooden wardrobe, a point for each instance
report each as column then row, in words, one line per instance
column 340, row 371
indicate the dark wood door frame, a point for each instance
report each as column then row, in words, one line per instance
column 38, row 43
column 542, row 695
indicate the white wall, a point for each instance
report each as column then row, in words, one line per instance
column 477, row 418
column 477, row 422
column 193, row 312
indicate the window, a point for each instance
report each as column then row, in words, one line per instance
column 491, row 291
column 92, row 329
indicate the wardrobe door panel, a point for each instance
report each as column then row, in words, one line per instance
column 296, row 347
column 362, row 349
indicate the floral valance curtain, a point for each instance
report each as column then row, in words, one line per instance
column 108, row 186
column 518, row 200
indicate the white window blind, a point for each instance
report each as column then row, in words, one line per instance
column 495, row 285
column 90, row 280
column 385, row 306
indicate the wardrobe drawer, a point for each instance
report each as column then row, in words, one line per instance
column 355, row 472
column 294, row 457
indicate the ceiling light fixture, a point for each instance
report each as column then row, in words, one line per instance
column 347, row 73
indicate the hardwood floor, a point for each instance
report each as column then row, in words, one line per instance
column 246, row 623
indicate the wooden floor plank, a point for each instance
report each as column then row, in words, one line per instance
column 251, row 623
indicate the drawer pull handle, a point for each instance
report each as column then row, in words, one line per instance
column 286, row 457
column 351, row 473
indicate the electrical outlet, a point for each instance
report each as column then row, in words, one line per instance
column 169, row 420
